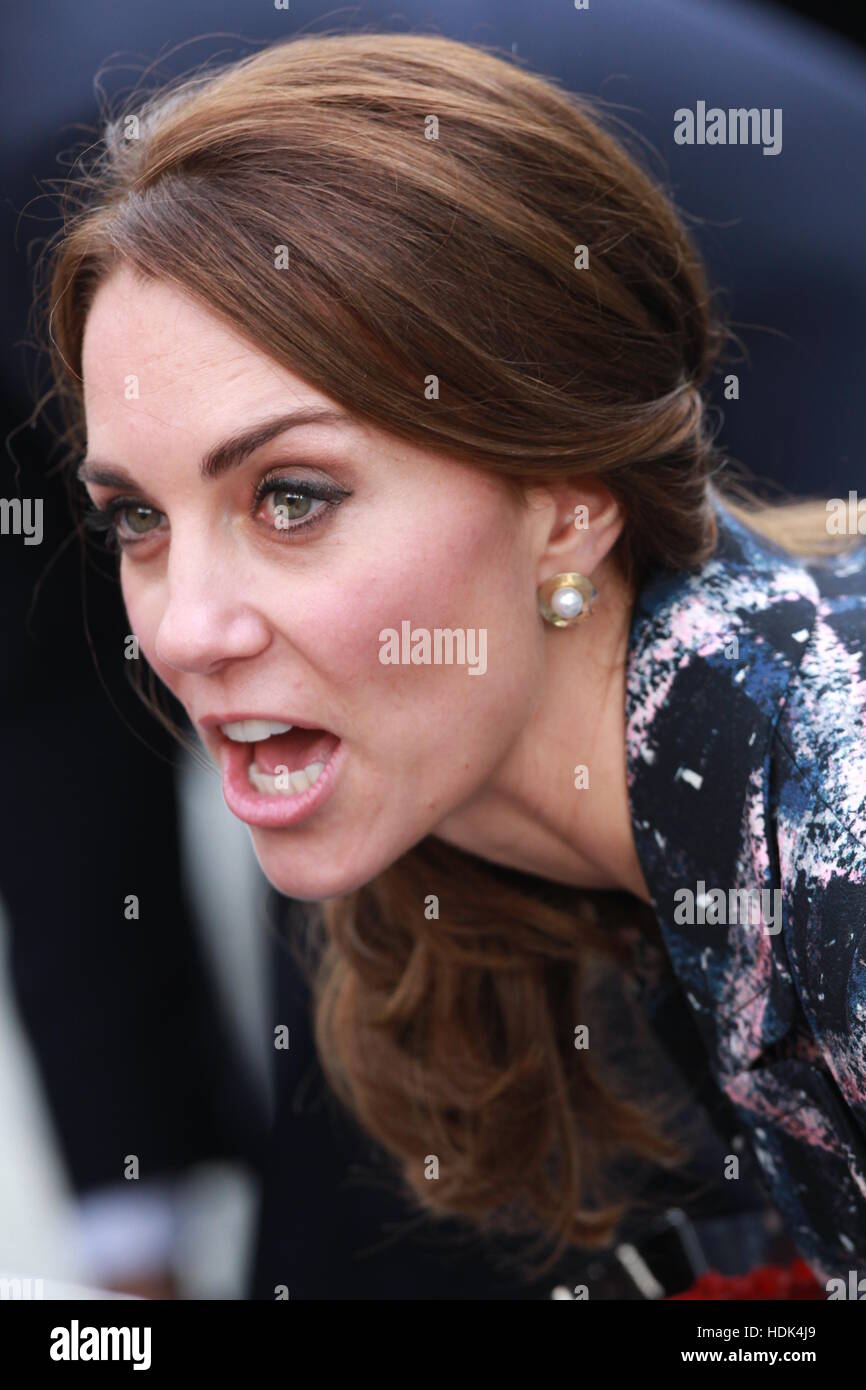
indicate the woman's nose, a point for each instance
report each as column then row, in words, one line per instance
column 208, row 618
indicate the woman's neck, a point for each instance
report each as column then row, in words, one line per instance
column 538, row 812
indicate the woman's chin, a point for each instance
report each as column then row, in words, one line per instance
column 311, row 882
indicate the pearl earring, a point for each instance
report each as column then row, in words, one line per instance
column 565, row 599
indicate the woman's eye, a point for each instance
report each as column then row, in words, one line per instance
column 138, row 519
column 291, row 506
column 286, row 507
column 121, row 523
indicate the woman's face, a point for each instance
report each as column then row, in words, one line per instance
column 272, row 604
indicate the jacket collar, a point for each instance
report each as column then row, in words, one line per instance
column 711, row 653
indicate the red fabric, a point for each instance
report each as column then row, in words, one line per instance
column 767, row 1281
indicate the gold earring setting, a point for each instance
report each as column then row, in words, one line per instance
column 565, row 600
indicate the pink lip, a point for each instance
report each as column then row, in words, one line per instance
column 278, row 811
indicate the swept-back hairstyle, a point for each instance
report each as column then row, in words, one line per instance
column 375, row 211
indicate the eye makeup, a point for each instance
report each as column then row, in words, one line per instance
column 114, row 522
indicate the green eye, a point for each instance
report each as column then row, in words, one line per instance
column 139, row 519
column 288, row 506
column 292, row 506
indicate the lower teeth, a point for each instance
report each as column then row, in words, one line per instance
column 282, row 781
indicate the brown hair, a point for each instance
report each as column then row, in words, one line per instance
column 452, row 256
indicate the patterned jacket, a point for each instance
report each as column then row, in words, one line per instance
column 746, row 757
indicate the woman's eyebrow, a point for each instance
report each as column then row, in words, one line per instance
column 231, row 452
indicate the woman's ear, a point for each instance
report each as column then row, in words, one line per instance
column 583, row 522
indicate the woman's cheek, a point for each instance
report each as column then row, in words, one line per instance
column 341, row 640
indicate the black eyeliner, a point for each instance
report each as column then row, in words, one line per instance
column 302, row 487
column 103, row 520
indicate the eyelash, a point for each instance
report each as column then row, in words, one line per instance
column 104, row 520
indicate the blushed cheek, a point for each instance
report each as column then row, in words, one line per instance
column 458, row 580
column 452, row 570
column 346, row 627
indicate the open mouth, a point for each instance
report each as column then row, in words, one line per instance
column 274, row 774
column 281, row 759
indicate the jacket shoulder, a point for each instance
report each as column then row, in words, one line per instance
column 820, row 737
column 818, row 805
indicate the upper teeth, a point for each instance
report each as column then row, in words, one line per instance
column 253, row 730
